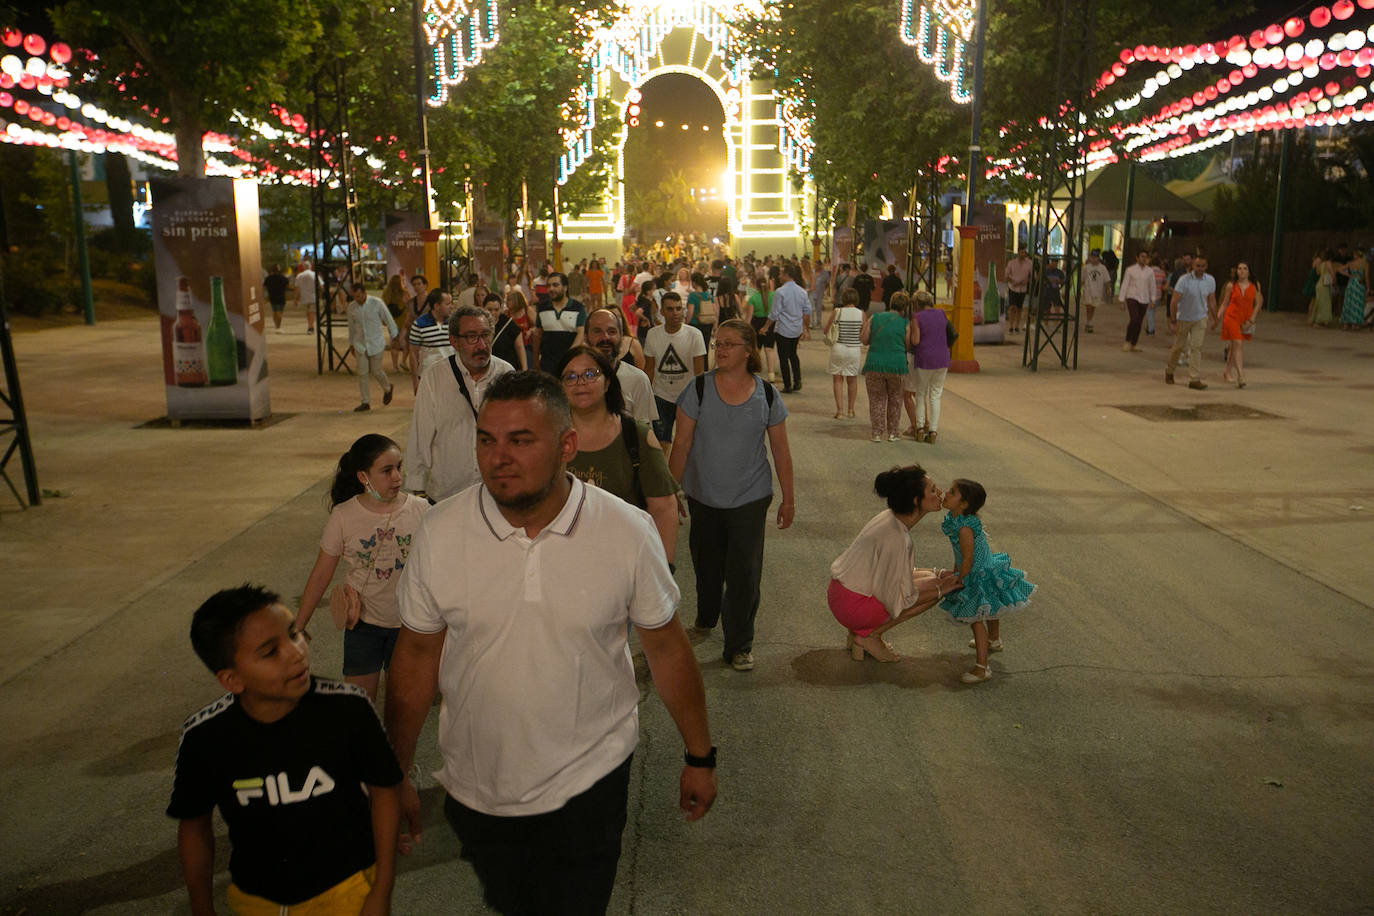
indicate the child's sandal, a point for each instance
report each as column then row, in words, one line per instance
column 993, row 646
column 973, row 677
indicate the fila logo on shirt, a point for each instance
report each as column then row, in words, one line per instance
column 279, row 791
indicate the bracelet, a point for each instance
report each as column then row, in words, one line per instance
column 938, row 593
column 707, row 763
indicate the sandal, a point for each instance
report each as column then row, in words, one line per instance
column 875, row 647
column 994, row 645
column 973, row 677
column 930, row 436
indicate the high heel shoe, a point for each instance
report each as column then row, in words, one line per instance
column 875, row 647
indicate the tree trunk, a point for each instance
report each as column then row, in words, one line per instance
column 119, row 187
column 189, row 128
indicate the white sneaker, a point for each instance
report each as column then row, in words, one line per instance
column 743, row 661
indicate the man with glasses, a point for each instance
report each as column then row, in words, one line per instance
column 440, row 451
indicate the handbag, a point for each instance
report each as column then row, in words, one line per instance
column 832, row 334
column 951, row 335
column 1248, row 327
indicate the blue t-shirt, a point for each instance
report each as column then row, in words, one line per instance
column 728, row 464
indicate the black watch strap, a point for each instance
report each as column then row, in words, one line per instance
column 708, row 762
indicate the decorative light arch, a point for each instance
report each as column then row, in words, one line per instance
column 941, row 34
column 459, row 33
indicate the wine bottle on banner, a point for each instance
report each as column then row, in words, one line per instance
column 221, row 352
column 188, row 349
column 992, row 299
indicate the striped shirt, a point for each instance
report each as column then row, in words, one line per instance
column 851, row 325
column 426, row 332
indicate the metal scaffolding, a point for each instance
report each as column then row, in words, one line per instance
column 1058, row 206
column 924, row 253
column 333, row 210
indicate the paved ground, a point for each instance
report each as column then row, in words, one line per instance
column 1182, row 722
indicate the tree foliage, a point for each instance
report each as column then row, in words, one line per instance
column 187, row 64
column 1330, row 188
column 877, row 116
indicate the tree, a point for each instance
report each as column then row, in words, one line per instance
column 1327, row 189
column 189, row 66
column 877, row 116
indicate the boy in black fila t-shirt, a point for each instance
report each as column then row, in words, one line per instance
column 285, row 756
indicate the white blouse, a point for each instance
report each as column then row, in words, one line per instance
column 880, row 563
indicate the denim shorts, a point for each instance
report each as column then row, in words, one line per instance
column 667, row 418
column 367, row 648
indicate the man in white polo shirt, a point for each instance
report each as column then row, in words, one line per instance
column 528, row 643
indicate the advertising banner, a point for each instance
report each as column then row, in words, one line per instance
column 843, row 245
column 536, row 250
column 884, row 244
column 405, row 243
column 488, row 253
column 209, row 272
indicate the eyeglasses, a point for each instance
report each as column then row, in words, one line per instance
column 473, row 337
column 586, row 376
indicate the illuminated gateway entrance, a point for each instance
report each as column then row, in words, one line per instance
column 764, row 140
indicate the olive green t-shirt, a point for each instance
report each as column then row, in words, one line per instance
column 610, row 468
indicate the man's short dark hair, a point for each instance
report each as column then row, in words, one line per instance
column 562, row 278
column 533, row 385
column 670, row 295
column 215, row 625
column 358, row 286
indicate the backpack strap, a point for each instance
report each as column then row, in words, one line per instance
column 629, row 434
column 462, row 385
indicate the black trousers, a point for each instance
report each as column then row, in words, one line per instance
column 727, row 554
column 1136, row 311
column 788, row 363
column 562, row 862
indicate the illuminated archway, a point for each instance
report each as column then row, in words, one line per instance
column 765, row 141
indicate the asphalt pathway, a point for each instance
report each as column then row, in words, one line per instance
column 1181, row 721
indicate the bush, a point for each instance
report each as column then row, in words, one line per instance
column 34, row 282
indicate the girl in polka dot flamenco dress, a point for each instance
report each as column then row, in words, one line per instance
column 992, row 586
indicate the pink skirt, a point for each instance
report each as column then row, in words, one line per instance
column 860, row 614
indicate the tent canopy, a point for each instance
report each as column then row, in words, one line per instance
column 1202, row 190
column 1106, row 198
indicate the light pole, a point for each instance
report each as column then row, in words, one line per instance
column 975, row 149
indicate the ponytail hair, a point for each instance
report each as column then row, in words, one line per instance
column 360, row 456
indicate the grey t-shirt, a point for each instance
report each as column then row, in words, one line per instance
column 728, row 464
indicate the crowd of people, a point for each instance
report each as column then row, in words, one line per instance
column 557, row 443
column 563, row 427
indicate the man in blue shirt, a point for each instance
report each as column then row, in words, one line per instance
column 1192, row 309
column 787, row 320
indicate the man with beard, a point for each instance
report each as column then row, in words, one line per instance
column 556, row 324
column 540, row 714
column 604, row 332
column 439, row 450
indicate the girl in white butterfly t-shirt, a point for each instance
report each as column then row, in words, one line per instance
column 370, row 527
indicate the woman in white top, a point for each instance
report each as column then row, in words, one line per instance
column 846, row 351
column 874, row 585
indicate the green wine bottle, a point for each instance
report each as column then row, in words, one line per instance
column 221, row 351
column 992, row 300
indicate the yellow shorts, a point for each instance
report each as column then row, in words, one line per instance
column 345, row 897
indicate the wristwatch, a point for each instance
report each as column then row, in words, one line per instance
column 708, row 762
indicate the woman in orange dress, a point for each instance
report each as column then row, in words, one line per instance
column 1241, row 302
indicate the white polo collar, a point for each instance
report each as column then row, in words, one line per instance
column 563, row 523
